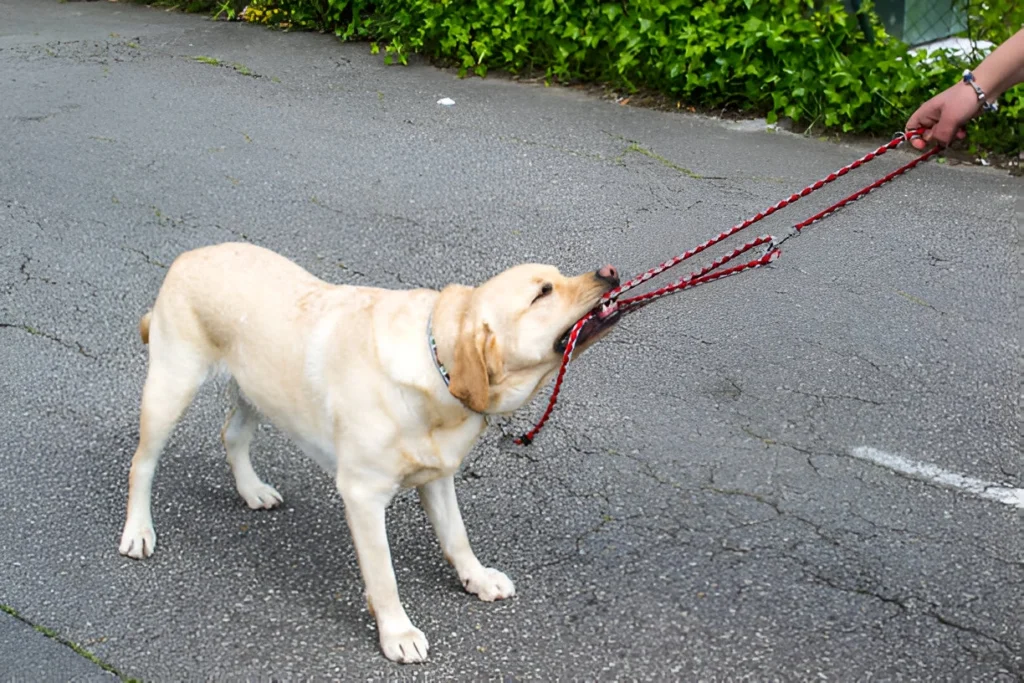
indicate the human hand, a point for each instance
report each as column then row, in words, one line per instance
column 944, row 116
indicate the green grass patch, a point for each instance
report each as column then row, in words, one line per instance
column 237, row 67
column 78, row 649
column 634, row 147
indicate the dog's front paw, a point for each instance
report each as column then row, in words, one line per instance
column 489, row 585
column 406, row 646
column 138, row 541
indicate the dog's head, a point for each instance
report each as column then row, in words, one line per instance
column 512, row 331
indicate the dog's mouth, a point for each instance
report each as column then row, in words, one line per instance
column 604, row 318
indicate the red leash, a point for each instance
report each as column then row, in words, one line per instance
column 711, row 272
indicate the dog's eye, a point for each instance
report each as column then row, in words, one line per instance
column 544, row 291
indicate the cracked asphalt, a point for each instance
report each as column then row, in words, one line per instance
column 691, row 512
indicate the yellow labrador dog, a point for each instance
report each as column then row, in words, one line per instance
column 384, row 389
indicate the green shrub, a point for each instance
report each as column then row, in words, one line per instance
column 805, row 60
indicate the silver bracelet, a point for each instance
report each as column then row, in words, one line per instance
column 985, row 104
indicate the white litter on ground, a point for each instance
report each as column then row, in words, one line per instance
column 446, row 101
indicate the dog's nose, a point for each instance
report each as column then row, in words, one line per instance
column 609, row 274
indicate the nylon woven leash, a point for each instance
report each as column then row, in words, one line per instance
column 715, row 270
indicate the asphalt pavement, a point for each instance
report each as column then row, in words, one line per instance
column 719, row 495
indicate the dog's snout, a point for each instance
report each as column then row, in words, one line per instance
column 608, row 274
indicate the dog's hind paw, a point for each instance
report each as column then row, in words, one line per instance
column 261, row 496
column 138, row 541
column 489, row 585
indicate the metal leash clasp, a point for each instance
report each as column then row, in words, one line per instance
column 777, row 242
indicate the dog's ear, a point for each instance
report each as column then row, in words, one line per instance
column 470, row 379
column 476, row 357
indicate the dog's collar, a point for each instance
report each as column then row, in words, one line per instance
column 441, row 369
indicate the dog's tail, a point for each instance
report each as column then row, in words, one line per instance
column 144, row 327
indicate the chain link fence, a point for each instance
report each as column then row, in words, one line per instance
column 916, row 22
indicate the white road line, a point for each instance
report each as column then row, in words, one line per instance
column 951, row 480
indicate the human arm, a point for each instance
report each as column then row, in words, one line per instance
column 945, row 114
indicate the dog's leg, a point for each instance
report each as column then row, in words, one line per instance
column 442, row 507
column 171, row 385
column 364, row 510
column 239, row 428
